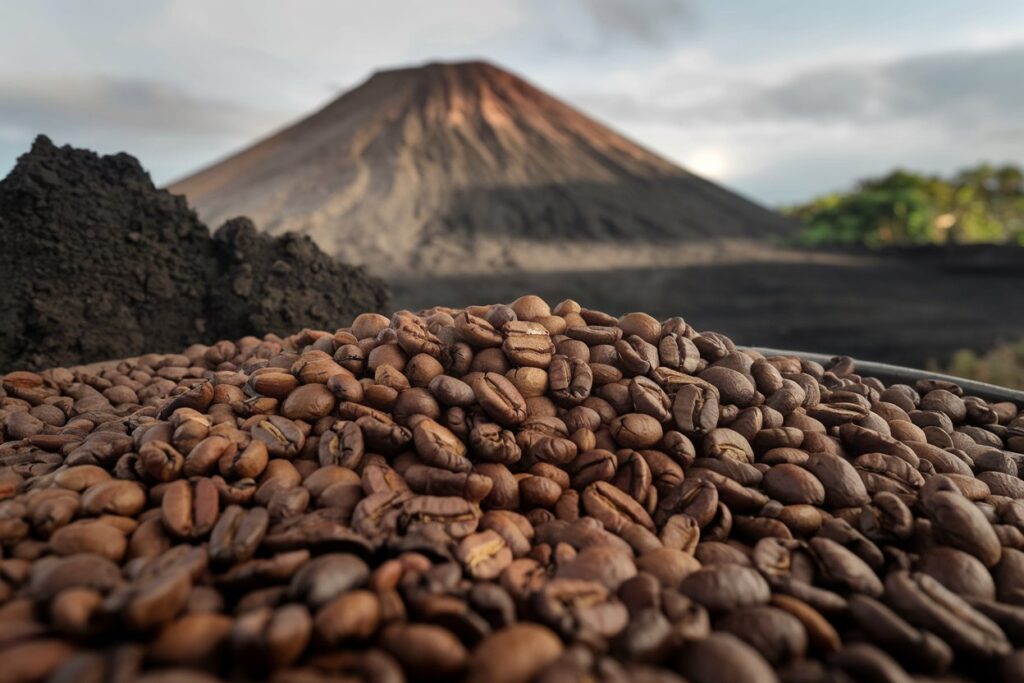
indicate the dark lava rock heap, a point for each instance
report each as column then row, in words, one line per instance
column 98, row 263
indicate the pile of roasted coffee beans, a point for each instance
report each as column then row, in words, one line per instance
column 505, row 494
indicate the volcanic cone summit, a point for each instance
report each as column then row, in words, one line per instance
column 466, row 167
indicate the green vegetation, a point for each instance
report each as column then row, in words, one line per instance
column 1003, row 365
column 984, row 204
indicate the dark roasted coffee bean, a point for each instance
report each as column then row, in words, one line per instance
column 439, row 447
column 189, row 510
column 958, row 571
column 484, row 554
column 515, row 654
column 777, row 635
column 925, row 602
column 792, row 484
column 237, row 534
column 325, row 577
column 425, row 650
column 509, row 493
column 351, row 617
column 887, row 629
column 723, row 657
column 614, row 508
column 695, row 409
column 451, row 391
column 959, row 523
column 723, row 587
column 843, row 486
column 268, row 638
column 282, row 438
column 441, row 482
column 342, row 445
column 500, row 399
column 636, row 430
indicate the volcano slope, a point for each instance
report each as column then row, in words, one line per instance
column 466, row 168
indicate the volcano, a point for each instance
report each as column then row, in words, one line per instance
column 454, row 168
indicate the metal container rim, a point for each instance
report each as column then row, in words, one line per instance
column 897, row 374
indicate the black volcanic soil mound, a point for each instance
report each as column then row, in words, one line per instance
column 280, row 284
column 99, row 264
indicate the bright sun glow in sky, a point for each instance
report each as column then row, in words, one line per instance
column 779, row 99
column 710, row 163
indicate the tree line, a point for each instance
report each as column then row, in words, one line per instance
column 982, row 204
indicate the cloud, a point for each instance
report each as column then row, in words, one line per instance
column 137, row 105
column 641, row 22
column 168, row 128
column 957, row 88
column 974, row 90
column 789, row 131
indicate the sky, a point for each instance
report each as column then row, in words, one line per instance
column 781, row 100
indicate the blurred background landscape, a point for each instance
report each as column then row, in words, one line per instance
column 832, row 177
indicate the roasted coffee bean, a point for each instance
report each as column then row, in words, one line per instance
column 515, row 654
column 88, row 536
column 887, row 629
column 425, row 650
column 457, row 517
column 609, row 565
column 351, row 617
column 843, row 486
column 159, row 461
column 580, row 609
column 636, row 430
column 326, row 577
column 194, row 640
column 451, row 391
column 189, row 510
column 281, row 436
column 792, row 484
column 484, row 554
column 114, row 497
column 614, row 508
column 570, row 380
column 500, row 399
column 506, row 493
column 342, row 445
column 925, row 602
column 527, row 343
column 439, row 447
column 959, row 523
column 723, row 657
column 958, row 571
column 724, row 443
column 268, row 638
column 490, row 443
column 249, row 462
column 733, row 387
column 237, row 534
column 695, row 409
column 724, row 587
column 841, row 567
column 440, row 482
column 777, row 635
column 308, row 402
